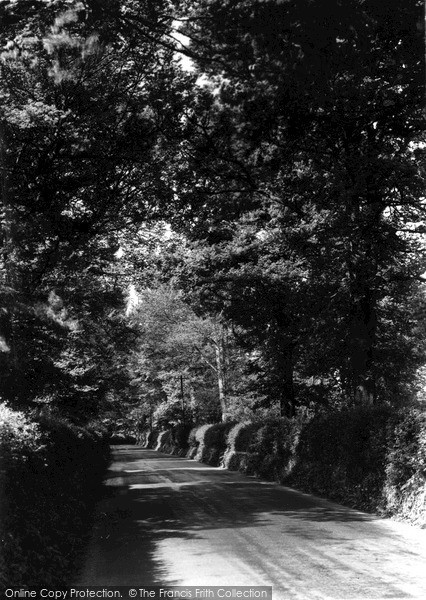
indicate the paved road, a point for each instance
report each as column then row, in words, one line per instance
column 169, row 521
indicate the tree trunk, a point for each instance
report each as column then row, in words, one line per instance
column 280, row 356
column 287, row 396
column 220, row 350
column 7, row 271
column 361, row 345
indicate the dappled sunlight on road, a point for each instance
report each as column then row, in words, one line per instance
column 167, row 520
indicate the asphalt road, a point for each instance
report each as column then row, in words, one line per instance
column 165, row 520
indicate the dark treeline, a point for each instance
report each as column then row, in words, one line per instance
column 253, row 171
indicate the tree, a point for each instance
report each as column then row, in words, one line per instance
column 179, row 349
column 189, row 363
column 85, row 110
column 311, row 123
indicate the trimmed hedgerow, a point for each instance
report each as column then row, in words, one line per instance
column 244, row 436
column 196, row 442
column 369, row 457
column 405, row 487
column 173, row 440
column 342, row 455
column 180, row 436
column 239, row 438
column 142, row 437
column 273, row 448
column 152, row 438
column 214, row 443
column 51, row 473
column 207, row 443
column 164, row 441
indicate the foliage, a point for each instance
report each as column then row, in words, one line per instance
column 268, row 209
column 18, row 436
column 406, row 466
column 343, row 456
column 180, row 436
column 241, row 438
column 48, row 466
column 302, row 193
column 196, row 441
column 215, row 440
column 238, row 441
column 83, row 116
column 187, row 367
column 371, row 458
column 193, row 439
column 164, row 441
column 274, row 446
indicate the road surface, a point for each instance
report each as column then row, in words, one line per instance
column 166, row 520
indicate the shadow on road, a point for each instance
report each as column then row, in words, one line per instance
column 176, row 498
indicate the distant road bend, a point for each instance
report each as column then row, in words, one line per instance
column 166, row 520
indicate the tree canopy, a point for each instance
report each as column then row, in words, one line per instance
column 289, row 163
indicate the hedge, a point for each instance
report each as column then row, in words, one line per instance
column 372, row 458
column 51, row 473
column 343, row 456
column 405, row 486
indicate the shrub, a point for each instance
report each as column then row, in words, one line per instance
column 142, row 437
column 367, row 457
column 274, row 447
column 214, row 443
column 216, row 435
column 238, row 441
column 236, row 461
column 53, row 468
column 198, row 436
column 405, row 487
column 152, row 438
column 192, row 438
column 342, row 455
column 180, row 435
column 193, row 442
column 164, row 441
column 241, row 435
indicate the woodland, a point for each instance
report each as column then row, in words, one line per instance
column 211, row 209
column 212, row 231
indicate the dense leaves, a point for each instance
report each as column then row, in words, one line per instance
column 290, row 159
column 83, row 118
column 310, row 172
column 47, row 468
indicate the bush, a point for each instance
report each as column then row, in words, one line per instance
column 152, row 438
column 237, row 443
column 214, row 443
column 241, row 435
column 342, row 455
column 197, row 436
column 274, row 448
column 180, row 436
column 367, row 457
column 142, row 437
column 405, row 488
column 193, row 442
column 164, row 441
column 48, row 468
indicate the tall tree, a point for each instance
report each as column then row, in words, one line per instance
column 312, row 118
column 185, row 355
column 85, row 110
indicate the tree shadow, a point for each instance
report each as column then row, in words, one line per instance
column 180, row 499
